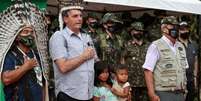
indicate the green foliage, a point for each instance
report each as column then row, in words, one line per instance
column 40, row 3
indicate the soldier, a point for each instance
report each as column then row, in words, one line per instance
column 111, row 41
column 92, row 24
column 165, row 65
column 154, row 31
column 192, row 57
column 93, row 30
column 134, row 56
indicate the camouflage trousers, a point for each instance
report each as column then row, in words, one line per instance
column 139, row 94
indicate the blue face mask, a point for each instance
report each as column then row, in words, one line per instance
column 174, row 33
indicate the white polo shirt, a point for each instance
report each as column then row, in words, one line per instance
column 153, row 55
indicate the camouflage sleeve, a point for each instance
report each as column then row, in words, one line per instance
column 124, row 50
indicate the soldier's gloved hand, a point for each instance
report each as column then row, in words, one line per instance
column 30, row 63
column 88, row 53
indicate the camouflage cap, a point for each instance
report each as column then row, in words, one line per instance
column 111, row 17
column 169, row 20
column 137, row 26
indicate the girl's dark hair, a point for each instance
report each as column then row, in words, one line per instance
column 99, row 68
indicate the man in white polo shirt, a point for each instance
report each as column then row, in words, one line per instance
column 165, row 65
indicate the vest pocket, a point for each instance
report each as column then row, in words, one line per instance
column 168, row 74
column 183, row 62
column 168, row 82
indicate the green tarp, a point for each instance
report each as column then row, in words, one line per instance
column 2, row 96
column 40, row 3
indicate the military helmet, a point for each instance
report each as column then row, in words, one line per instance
column 169, row 20
column 111, row 17
column 137, row 26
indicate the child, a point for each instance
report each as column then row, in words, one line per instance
column 121, row 87
column 102, row 89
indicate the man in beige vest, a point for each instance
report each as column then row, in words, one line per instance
column 165, row 65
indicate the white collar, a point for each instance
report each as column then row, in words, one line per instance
column 168, row 41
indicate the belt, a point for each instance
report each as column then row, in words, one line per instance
column 178, row 91
column 174, row 90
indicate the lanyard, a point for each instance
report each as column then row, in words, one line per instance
column 24, row 54
column 37, row 69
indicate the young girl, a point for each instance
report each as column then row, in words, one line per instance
column 102, row 89
column 121, row 87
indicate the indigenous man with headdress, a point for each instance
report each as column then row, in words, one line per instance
column 23, row 52
column 73, row 55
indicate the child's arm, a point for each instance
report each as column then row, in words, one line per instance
column 96, row 98
column 123, row 94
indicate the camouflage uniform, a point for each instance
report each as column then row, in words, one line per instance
column 94, row 32
column 134, row 56
column 154, row 30
column 111, row 47
column 96, row 39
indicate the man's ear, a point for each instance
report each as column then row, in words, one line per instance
column 164, row 28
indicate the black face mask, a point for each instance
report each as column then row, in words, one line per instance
column 127, row 23
column 113, row 29
column 184, row 35
column 138, row 36
column 174, row 33
column 94, row 25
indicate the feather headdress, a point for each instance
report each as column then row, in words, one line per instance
column 15, row 18
column 68, row 5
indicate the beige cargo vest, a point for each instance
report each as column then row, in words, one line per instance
column 169, row 73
